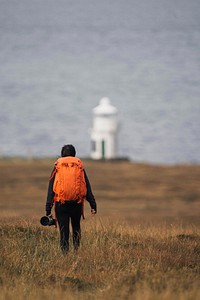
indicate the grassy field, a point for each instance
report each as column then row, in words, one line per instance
column 144, row 243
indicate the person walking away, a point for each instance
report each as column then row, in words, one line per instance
column 68, row 187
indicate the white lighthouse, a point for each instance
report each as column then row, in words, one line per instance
column 104, row 131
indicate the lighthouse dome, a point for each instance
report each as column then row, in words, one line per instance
column 105, row 108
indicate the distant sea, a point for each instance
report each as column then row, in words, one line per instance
column 59, row 58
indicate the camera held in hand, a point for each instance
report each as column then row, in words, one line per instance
column 47, row 221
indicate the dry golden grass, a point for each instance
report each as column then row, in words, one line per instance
column 115, row 261
column 143, row 244
column 121, row 188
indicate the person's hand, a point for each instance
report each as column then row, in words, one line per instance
column 93, row 212
column 48, row 213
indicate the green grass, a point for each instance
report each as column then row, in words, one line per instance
column 115, row 261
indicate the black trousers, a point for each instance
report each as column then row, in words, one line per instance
column 66, row 212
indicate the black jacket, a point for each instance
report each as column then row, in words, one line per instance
column 50, row 194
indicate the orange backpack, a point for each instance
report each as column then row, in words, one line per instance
column 69, row 183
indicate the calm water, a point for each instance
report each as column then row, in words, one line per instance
column 59, row 58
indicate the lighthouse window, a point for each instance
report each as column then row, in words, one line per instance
column 93, row 146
